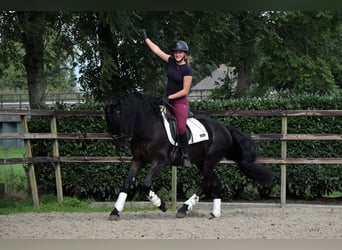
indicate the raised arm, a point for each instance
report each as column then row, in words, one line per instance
column 154, row 47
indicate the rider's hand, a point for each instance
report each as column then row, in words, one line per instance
column 143, row 34
column 164, row 101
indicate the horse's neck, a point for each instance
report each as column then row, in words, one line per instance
column 151, row 141
column 149, row 127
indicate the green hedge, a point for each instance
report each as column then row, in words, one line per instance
column 102, row 181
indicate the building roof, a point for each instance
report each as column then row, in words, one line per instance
column 214, row 80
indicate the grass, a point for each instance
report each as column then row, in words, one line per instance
column 48, row 203
column 11, row 152
column 13, row 176
column 333, row 195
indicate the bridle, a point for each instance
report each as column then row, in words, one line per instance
column 120, row 138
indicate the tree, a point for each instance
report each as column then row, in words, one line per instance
column 12, row 75
column 10, row 50
column 296, row 56
column 107, row 52
column 290, row 51
column 33, row 29
column 115, row 60
column 250, row 25
column 40, row 34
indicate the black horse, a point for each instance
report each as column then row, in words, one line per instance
column 136, row 120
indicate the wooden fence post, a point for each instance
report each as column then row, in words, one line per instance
column 55, row 149
column 174, row 187
column 32, row 175
column 283, row 166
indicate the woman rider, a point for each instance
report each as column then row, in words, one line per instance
column 179, row 79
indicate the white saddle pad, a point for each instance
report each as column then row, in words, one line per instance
column 198, row 131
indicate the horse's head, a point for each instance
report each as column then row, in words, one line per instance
column 131, row 115
column 113, row 118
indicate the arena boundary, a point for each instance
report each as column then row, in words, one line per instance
column 57, row 159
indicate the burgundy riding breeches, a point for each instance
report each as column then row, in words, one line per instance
column 180, row 108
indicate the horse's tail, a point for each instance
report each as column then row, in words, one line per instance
column 243, row 152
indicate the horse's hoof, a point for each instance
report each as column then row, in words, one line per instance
column 163, row 207
column 211, row 216
column 181, row 213
column 114, row 217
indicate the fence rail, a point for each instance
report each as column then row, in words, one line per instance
column 114, row 159
column 21, row 100
column 283, row 137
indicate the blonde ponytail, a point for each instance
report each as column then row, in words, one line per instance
column 187, row 59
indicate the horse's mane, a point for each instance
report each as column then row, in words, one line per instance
column 138, row 113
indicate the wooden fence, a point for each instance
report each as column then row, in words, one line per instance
column 57, row 159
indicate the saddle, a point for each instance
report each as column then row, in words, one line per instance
column 195, row 130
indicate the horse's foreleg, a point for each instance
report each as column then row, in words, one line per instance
column 153, row 197
column 120, row 202
column 118, row 207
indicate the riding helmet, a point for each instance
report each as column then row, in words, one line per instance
column 179, row 45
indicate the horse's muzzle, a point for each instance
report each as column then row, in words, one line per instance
column 122, row 147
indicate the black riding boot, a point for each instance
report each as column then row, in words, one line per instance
column 185, row 159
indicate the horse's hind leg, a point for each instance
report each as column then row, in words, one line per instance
column 210, row 183
column 216, row 189
column 187, row 206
